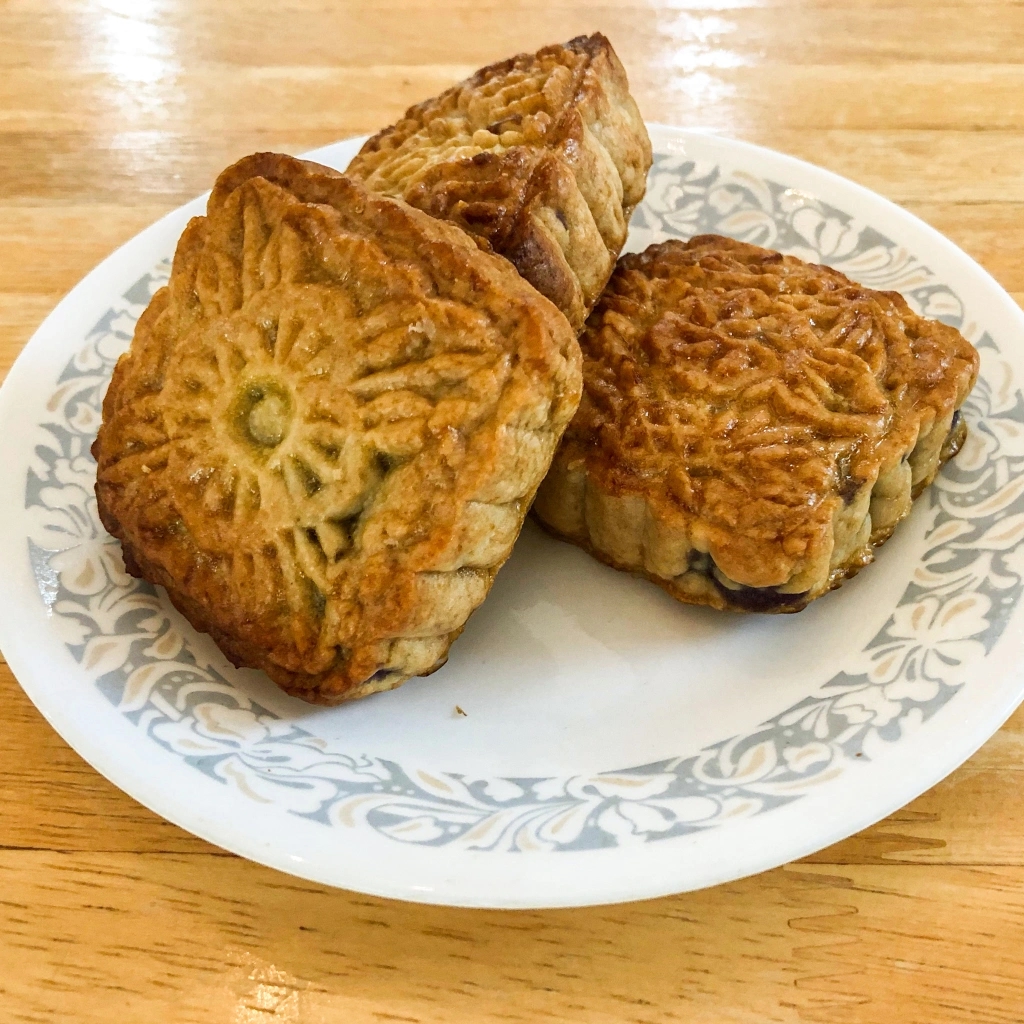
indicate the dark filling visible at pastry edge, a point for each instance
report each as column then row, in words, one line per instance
column 751, row 599
column 763, row 599
column 848, row 485
column 954, row 439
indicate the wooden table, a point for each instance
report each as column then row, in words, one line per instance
column 114, row 111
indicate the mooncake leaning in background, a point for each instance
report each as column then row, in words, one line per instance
column 329, row 426
column 751, row 425
column 542, row 158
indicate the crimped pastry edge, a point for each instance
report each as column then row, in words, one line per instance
column 923, row 461
column 569, row 260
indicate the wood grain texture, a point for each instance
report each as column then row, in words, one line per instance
column 113, row 112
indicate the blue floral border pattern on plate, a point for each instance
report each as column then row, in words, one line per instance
column 146, row 659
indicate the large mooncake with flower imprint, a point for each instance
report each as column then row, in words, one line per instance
column 329, row 427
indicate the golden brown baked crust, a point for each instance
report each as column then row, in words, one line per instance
column 541, row 157
column 751, row 424
column 329, row 426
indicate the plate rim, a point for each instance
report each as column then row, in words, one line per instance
column 25, row 672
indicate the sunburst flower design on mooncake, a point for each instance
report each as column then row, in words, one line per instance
column 329, row 426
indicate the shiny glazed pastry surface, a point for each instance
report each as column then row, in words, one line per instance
column 329, row 426
column 542, row 158
column 752, row 425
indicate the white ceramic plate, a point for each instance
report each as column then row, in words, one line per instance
column 615, row 745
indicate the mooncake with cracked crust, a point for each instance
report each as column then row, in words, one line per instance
column 541, row 157
column 329, row 426
column 752, row 426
